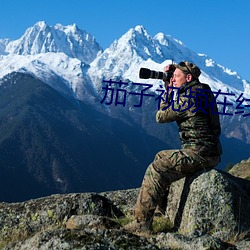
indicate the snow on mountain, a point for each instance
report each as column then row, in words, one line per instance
column 3, row 43
column 42, row 38
column 137, row 49
column 63, row 73
column 131, row 50
column 216, row 74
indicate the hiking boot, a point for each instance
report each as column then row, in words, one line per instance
column 140, row 227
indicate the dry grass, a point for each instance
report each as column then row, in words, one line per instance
column 238, row 237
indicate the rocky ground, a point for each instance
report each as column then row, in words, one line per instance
column 208, row 211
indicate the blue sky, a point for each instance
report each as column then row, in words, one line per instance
column 218, row 28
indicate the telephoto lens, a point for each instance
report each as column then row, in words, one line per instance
column 144, row 73
column 147, row 73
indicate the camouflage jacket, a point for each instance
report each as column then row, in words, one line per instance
column 194, row 110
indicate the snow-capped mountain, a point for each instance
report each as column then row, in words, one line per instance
column 70, row 40
column 137, row 49
column 57, row 55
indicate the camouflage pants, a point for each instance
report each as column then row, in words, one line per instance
column 167, row 167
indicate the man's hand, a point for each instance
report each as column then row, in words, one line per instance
column 167, row 83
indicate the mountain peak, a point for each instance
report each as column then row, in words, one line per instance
column 140, row 29
column 41, row 24
column 69, row 28
column 139, row 42
column 42, row 38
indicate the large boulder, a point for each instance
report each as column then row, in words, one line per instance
column 19, row 221
column 210, row 202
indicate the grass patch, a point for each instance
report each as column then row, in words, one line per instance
column 16, row 235
column 162, row 224
column 123, row 220
column 239, row 237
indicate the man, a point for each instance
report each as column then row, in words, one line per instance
column 192, row 105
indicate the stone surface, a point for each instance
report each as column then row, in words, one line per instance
column 20, row 220
column 90, row 221
column 241, row 169
column 63, row 239
column 178, row 241
column 212, row 202
column 243, row 245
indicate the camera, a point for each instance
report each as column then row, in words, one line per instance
column 145, row 73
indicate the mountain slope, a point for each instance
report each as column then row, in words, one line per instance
column 52, row 144
column 65, row 74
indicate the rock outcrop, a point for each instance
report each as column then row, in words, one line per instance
column 209, row 210
column 211, row 202
column 241, row 169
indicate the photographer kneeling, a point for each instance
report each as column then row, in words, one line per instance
column 199, row 130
